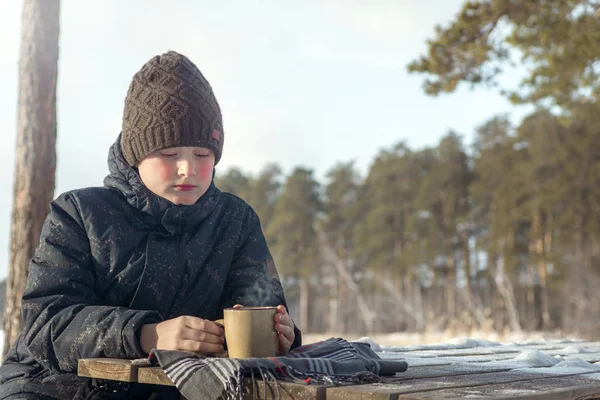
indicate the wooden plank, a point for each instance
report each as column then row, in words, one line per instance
column 476, row 351
column 415, row 381
column 547, row 388
column 464, row 358
column 445, row 370
column 117, row 369
column 367, row 392
column 479, row 351
column 284, row 391
column 472, row 344
column 392, row 388
column 589, row 352
column 427, row 362
column 107, row 368
column 433, row 361
column 154, row 376
column 429, row 375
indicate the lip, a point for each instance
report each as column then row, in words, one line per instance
column 185, row 188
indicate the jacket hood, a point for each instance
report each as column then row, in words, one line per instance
column 126, row 180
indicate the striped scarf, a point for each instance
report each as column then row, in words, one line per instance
column 332, row 362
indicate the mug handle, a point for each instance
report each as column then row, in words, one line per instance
column 221, row 322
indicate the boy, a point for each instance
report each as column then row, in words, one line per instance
column 149, row 260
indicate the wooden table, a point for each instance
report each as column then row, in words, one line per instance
column 496, row 372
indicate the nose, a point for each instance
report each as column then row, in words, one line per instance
column 186, row 168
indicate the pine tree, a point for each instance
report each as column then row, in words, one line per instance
column 293, row 234
column 558, row 41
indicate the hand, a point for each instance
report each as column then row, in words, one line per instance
column 284, row 327
column 184, row 333
column 285, row 330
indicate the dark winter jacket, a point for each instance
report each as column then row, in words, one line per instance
column 115, row 258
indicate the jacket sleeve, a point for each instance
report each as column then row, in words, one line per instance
column 64, row 318
column 253, row 279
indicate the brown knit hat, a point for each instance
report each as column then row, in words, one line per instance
column 170, row 104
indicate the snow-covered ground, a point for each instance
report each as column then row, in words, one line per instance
column 407, row 339
column 1, row 340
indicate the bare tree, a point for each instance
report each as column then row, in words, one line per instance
column 36, row 151
column 367, row 315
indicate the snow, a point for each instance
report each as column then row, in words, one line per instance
column 374, row 346
column 557, row 357
column 579, row 350
column 576, row 363
column 482, row 346
column 535, row 358
column 1, row 340
column 466, row 342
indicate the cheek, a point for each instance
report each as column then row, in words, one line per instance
column 155, row 173
column 205, row 171
column 164, row 172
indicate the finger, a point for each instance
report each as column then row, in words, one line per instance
column 284, row 344
column 202, row 336
column 284, row 319
column 199, row 347
column 238, row 306
column 281, row 309
column 205, row 325
column 286, row 331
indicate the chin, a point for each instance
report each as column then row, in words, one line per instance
column 186, row 199
column 185, row 202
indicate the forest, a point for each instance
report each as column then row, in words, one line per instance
column 499, row 234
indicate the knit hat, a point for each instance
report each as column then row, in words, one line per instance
column 170, row 104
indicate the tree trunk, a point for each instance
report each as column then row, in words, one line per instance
column 342, row 291
column 366, row 314
column 530, row 300
column 508, row 294
column 468, row 274
column 418, row 302
column 342, row 300
column 539, row 254
column 451, row 290
column 378, row 298
column 334, row 307
column 402, row 303
column 498, row 309
column 506, row 291
column 532, row 314
column 304, row 299
column 401, row 322
column 408, row 297
column 36, row 152
column 543, row 277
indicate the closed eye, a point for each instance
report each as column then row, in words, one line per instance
column 202, row 155
column 168, row 154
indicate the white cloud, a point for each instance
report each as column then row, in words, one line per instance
column 377, row 33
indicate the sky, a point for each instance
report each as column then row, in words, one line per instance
column 307, row 83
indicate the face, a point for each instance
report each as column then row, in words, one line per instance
column 179, row 174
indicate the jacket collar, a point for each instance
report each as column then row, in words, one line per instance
column 174, row 218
